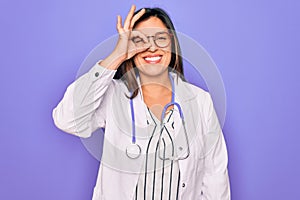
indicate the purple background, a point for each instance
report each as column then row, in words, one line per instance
column 255, row 44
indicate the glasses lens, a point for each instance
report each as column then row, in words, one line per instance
column 138, row 41
column 162, row 39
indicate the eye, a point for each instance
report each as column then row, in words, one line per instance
column 161, row 38
column 137, row 40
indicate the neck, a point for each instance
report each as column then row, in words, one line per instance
column 157, row 93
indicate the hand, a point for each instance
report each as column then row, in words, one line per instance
column 125, row 48
column 125, row 45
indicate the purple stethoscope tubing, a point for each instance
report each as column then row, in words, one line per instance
column 135, row 150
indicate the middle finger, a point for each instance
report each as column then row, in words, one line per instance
column 129, row 17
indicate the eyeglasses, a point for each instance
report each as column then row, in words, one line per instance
column 161, row 39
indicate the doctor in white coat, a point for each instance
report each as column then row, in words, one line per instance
column 162, row 136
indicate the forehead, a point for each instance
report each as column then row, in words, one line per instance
column 150, row 26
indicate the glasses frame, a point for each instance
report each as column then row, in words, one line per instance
column 154, row 38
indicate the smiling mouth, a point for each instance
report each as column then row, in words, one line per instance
column 153, row 59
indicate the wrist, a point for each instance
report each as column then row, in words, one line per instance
column 113, row 61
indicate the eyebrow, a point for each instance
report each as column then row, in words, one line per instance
column 152, row 29
column 156, row 33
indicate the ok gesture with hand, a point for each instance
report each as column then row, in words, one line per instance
column 125, row 48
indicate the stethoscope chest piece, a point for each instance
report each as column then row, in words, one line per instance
column 133, row 151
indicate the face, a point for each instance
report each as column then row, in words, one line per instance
column 155, row 60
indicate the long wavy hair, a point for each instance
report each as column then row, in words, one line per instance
column 128, row 71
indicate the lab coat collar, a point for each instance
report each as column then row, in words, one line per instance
column 182, row 91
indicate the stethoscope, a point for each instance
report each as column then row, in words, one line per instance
column 134, row 150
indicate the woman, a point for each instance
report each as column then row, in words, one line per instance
column 149, row 152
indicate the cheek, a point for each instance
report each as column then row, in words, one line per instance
column 168, row 55
column 168, row 51
column 137, row 59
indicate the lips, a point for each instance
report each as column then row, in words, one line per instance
column 152, row 59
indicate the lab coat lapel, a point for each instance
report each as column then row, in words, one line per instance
column 187, row 101
column 141, row 125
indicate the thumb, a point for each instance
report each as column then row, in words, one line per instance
column 143, row 48
column 133, row 50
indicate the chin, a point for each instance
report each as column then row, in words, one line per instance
column 152, row 70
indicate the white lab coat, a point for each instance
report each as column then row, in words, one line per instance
column 90, row 102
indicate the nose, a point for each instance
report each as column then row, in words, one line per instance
column 153, row 46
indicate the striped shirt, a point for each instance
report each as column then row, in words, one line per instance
column 160, row 180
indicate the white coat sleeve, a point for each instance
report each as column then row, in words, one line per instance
column 215, row 184
column 83, row 107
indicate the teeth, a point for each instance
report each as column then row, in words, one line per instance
column 153, row 58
